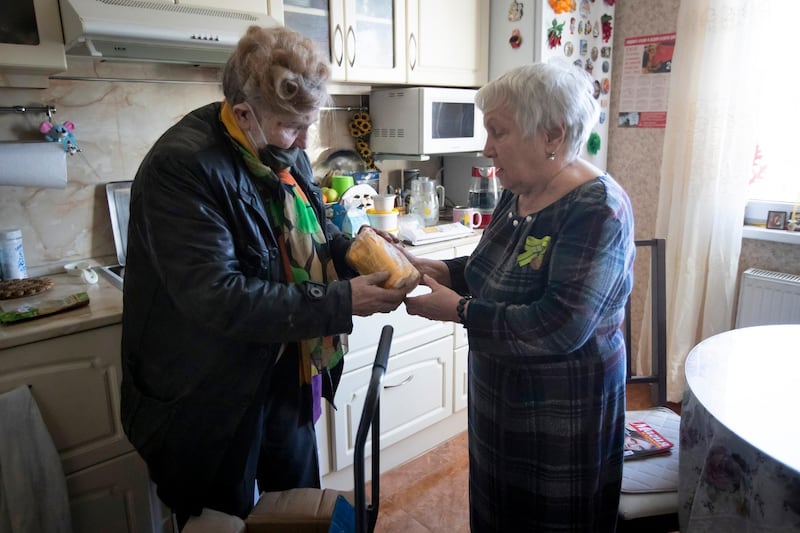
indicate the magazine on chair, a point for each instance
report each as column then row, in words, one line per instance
column 641, row 440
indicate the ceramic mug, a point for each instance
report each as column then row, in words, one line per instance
column 468, row 216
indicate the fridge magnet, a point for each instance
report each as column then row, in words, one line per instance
column 606, row 66
column 596, row 29
column 516, row 39
column 776, row 220
column 610, row 2
column 606, row 85
column 580, row 28
column 597, row 88
column 514, row 11
column 562, row 6
column 578, row 63
column 572, row 25
column 602, row 118
column 586, row 9
column 590, row 69
column 595, row 53
column 605, row 21
column 605, row 51
column 587, row 28
column 554, row 34
column 569, row 48
column 584, row 47
column 593, row 144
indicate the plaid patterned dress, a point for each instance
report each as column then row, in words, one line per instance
column 546, row 363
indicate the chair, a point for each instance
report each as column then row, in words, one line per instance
column 313, row 510
column 649, row 497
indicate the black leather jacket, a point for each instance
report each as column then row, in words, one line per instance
column 206, row 308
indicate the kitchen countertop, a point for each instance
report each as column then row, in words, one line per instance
column 105, row 308
column 105, row 303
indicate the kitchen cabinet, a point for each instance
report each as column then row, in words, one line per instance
column 447, row 42
column 417, row 392
column 75, row 381
column 424, row 389
column 363, row 38
column 460, row 348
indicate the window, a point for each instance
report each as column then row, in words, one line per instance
column 776, row 174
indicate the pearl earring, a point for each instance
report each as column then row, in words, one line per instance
column 551, row 156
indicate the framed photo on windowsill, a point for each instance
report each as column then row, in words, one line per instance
column 776, row 220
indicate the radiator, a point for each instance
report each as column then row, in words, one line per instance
column 768, row 298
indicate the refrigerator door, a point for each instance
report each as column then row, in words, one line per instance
column 519, row 35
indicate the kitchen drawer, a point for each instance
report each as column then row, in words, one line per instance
column 114, row 496
column 417, row 393
column 75, row 382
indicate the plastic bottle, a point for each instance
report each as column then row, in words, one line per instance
column 12, row 257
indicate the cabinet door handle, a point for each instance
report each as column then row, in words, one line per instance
column 412, row 50
column 351, row 50
column 406, row 381
column 338, row 51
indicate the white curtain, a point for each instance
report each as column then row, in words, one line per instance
column 708, row 154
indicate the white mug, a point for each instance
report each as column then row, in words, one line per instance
column 468, row 216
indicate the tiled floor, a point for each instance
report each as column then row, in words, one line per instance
column 430, row 493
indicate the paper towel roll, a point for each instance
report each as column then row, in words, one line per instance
column 33, row 164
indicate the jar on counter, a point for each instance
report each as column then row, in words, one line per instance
column 12, row 257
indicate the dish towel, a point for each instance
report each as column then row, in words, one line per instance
column 33, row 489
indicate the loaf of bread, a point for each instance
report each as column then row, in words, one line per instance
column 371, row 253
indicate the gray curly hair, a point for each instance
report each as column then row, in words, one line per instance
column 277, row 70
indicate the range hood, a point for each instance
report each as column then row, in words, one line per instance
column 140, row 30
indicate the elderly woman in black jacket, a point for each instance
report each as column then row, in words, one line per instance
column 236, row 288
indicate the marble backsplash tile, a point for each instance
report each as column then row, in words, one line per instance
column 116, row 123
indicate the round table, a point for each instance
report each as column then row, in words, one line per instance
column 740, row 432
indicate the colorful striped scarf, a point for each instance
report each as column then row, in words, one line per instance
column 301, row 240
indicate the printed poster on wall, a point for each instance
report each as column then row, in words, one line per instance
column 646, row 65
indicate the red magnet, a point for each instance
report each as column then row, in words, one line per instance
column 515, row 40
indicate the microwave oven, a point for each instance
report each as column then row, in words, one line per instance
column 31, row 43
column 425, row 120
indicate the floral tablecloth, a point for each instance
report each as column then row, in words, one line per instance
column 726, row 484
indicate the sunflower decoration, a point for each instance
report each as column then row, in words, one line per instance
column 360, row 128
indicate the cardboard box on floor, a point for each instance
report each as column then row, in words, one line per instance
column 295, row 511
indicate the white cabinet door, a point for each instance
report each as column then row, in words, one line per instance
column 447, row 42
column 113, row 496
column 417, row 392
column 373, row 31
column 75, row 382
column 363, row 38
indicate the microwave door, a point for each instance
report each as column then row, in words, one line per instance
column 456, row 125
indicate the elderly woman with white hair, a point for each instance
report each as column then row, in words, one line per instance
column 543, row 298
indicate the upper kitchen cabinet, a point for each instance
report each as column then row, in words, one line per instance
column 447, row 42
column 363, row 38
column 31, row 43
